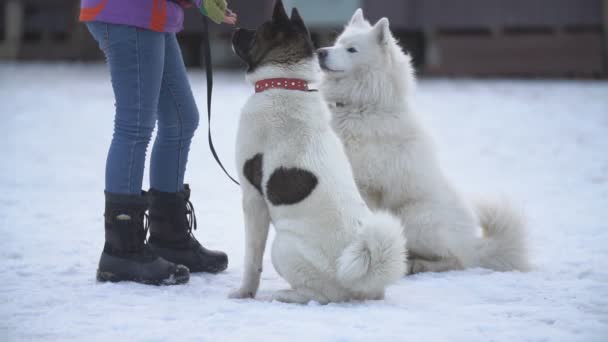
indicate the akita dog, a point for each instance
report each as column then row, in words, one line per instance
column 294, row 173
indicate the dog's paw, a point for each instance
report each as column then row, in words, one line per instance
column 241, row 294
column 290, row 296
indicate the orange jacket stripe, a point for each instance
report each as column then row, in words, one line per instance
column 159, row 15
column 89, row 13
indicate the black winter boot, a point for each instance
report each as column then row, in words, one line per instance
column 172, row 220
column 126, row 256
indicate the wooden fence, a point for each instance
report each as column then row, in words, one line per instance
column 447, row 37
column 504, row 37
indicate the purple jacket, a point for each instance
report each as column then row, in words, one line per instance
column 156, row 15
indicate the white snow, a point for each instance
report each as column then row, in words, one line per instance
column 544, row 144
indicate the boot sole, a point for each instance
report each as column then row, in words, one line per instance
column 206, row 268
column 212, row 270
column 103, row 277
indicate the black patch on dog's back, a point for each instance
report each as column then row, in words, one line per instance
column 253, row 171
column 290, row 185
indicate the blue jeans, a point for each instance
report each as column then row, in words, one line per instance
column 150, row 84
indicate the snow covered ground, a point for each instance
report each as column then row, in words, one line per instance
column 542, row 143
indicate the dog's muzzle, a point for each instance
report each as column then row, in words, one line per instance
column 242, row 40
column 322, row 55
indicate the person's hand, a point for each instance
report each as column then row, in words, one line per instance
column 217, row 11
column 230, row 17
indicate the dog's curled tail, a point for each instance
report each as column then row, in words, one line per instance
column 503, row 246
column 376, row 257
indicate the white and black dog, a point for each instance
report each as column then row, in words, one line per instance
column 294, row 173
column 368, row 83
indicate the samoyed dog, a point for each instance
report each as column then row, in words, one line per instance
column 368, row 83
column 294, row 172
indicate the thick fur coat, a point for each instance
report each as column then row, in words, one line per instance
column 369, row 82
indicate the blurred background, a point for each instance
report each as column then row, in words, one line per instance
column 518, row 38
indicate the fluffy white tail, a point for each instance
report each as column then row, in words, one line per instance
column 503, row 246
column 376, row 258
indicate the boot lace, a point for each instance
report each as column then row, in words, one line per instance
column 191, row 217
column 143, row 233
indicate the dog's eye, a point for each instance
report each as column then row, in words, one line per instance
column 351, row 50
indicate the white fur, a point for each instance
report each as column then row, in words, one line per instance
column 395, row 164
column 329, row 247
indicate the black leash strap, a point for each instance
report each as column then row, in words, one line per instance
column 209, row 72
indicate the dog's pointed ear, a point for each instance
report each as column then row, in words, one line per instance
column 279, row 15
column 297, row 21
column 357, row 18
column 382, row 31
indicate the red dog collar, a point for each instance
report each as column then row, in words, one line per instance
column 284, row 83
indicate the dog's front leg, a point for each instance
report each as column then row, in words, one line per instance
column 257, row 222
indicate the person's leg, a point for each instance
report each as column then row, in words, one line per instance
column 135, row 58
column 171, row 213
column 178, row 119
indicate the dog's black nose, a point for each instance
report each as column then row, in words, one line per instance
column 322, row 53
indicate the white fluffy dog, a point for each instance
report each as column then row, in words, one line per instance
column 368, row 83
column 294, row 172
